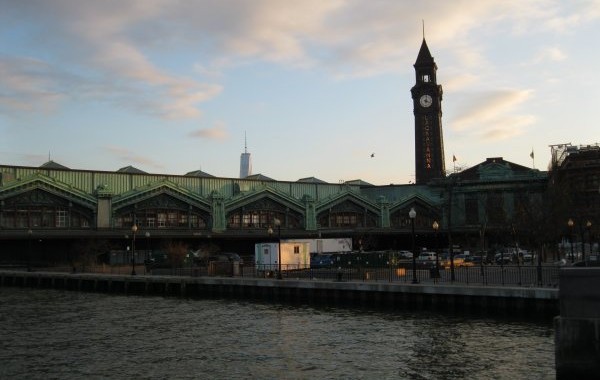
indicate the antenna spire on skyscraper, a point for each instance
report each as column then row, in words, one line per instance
column 245, row 161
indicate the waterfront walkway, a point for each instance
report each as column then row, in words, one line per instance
column 542, row 276
column 496, row 300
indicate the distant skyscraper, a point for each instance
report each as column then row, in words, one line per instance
column 245, row 161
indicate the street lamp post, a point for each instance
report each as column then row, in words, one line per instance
column 412, row 214
column 277, row 223
column 570, row 223
column 134, row 229
column 588, row 225
column 148, row 252
column 436, row 226
column 29, row 234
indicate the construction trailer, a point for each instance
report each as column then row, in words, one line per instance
column 325, row 246
column 294, row 255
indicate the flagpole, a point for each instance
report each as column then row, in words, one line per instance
column 453, row 163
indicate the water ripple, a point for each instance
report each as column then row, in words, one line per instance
column 50, row 334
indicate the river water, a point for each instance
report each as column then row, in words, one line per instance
column 53, row 334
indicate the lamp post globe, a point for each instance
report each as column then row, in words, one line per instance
column 134, row 229
column 412, row 214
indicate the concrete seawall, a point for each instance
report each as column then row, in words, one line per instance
column 577, row 338
column 497, row 301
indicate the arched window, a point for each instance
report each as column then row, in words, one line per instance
column 32, row 216
column 40, row 209
column 163, row 210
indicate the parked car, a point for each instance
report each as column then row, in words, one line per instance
column 474, row 260
column 426, row 259
column 321, row 261
column 405, row 254
column 590, row 261
column 503, row 258
column 459, row 261
column 527, row 257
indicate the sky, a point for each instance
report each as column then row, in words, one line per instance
column 314, row 86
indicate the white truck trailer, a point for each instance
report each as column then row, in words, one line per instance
column 331, row 245
column 294, row 255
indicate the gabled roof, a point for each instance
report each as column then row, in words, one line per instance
column 259, row 177
column 199, row 173
column 131, row 170
column 311, row 180
column 342, row 197
column 359, row 182
column 53, row 165
column 49, row 184
column 159, row 187
column 264, row 192
column 493, row 168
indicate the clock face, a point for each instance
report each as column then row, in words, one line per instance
column 425, row 100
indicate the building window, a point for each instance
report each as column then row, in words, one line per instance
column 261, row 219
column 495, row 208
column 157, row 218
column 471, row 209
column 61, row 218
column 296, row 249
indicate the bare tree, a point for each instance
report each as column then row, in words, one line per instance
column 176, row 253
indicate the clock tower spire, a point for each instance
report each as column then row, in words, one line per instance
column 427, row 108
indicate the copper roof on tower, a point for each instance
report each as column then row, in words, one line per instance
column 424, row 57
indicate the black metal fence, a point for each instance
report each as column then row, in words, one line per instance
column 493, row 275
column 503, row 275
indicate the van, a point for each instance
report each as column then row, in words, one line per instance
column 426, row 258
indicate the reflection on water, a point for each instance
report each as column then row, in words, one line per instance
column 70, row 335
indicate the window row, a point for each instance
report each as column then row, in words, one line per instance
column 261, row 219
column 43, row 217
column 161, row 219
column 346, row 219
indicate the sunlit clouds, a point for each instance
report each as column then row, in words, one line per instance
column 490, row 115
column 217, row 132
column 176, row 76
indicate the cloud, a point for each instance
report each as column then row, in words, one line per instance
column 126, row 53
column 27, row 85
column 218, row 132
column 546, row 54
column 506, row 127
column 490, row 115
column 130, row 157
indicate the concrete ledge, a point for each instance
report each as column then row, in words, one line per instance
column 508, row 301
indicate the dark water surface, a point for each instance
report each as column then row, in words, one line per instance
column 69, row 335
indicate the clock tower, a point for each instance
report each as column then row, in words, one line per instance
column 427, row 108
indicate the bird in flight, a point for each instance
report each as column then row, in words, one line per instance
column 372, row 155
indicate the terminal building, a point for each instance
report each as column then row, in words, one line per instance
column 55, row 210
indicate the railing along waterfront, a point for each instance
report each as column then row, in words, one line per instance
column 545, row 276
